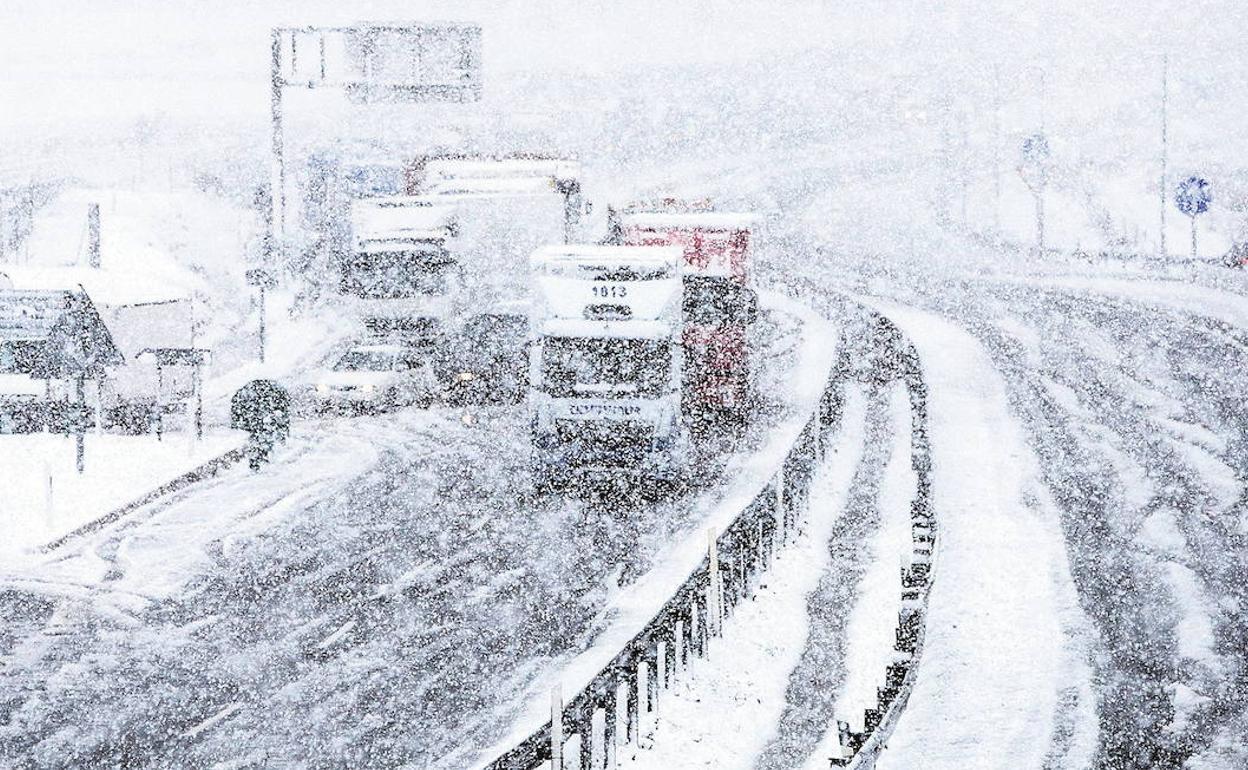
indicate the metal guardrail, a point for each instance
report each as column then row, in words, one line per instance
column 625, row 692
column 860, row 749
column 617, row 704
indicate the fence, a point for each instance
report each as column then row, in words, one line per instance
column 860, row 749
column 619, row 703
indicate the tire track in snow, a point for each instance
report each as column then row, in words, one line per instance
column 1199, row 357
column 820, row 671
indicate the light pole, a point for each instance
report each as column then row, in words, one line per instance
column 1033, row 167
column 1165, row 89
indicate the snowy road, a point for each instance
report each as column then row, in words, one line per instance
column 1086, row 446
column 242, row 616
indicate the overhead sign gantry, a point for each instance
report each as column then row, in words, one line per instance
column 404, row 63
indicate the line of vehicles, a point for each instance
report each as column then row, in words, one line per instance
column 495, row 281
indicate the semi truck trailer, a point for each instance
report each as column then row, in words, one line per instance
column 605, row 363
column 719, row 306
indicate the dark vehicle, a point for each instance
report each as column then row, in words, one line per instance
column 1237, row 256
column 485, row 361
column 262, row 408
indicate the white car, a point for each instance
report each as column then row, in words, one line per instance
column 374, row 378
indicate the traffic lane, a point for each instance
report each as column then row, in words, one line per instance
column 1135, row 373
column 404, row 610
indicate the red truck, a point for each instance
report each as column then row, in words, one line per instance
column 719, row 306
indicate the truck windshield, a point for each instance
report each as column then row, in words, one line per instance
column 582, row 367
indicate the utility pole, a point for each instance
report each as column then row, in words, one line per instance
column 1161, row 194
column 277, row 199
column 996, row 147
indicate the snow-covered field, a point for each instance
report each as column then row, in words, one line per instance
column 385, row 594
column 46, row 498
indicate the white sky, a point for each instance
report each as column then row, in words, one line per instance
column 70, row 63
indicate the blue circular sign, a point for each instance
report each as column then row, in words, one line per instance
column 1193, row 196
column 1036, row 149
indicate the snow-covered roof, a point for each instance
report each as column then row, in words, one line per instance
column 701, row 220
column 489, row 168
column 528, row 185
column 404, row 240
column 600, row 254
column 580, row 327
column 103, row 286
column 388, row 217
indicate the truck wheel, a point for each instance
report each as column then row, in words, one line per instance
column 547, row 479
column 659, row 485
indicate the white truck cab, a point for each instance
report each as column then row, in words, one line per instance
column 605, row 363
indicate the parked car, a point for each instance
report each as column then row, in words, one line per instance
column 374, row 378
column 1237, row 256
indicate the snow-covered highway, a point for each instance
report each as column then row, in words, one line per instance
column 237, row 615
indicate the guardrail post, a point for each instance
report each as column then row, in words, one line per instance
column 697, row 627
column 598, row 753
column 782, row 536
column 661, row 671
column 632, row 702
column 586, row 730
column 714, row 586
column 556, row 728
column 762, row 553
column 678, row 661
column 611, row 723
column 647, row 711
column 619, row 723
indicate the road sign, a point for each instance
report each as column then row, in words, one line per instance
column 1033, row 166
column 1193, row 196
column 409, row 63
column 261, row 277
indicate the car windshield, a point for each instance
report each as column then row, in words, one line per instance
column 621, row 368
column 365, row 361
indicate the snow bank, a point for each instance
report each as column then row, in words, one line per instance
column 118, row 469
column 1001, row 643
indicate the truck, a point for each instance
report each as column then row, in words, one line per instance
column 504, row 209
column 605, row 363
column 401, row 277
column 719, row 305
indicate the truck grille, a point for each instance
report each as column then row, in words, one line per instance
column 605, row 439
